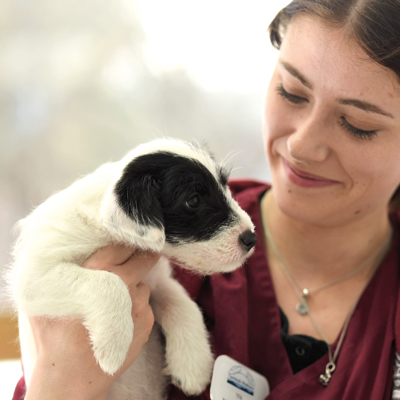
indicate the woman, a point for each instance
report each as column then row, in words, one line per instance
column 314, row 310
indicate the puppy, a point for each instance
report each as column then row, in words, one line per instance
column 166, row 196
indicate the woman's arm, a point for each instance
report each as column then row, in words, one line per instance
column 65, row 367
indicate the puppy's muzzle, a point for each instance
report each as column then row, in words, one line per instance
column 247, row 240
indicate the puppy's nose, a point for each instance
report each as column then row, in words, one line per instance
column 247, row 240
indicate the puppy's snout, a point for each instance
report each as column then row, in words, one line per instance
column 247, row 240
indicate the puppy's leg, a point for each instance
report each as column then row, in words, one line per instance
column 188, row 354
column 99, row 298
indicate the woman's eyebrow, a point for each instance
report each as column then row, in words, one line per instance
column 364, row 105
column 294, row 72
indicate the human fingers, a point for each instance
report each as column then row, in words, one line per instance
column 140, row 296
column 135, row 268
column 143, row 320
column 114, row 254
column 130, row 264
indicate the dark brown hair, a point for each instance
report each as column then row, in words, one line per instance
column 373, row 24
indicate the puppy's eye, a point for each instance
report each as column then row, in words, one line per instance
column 193, row 202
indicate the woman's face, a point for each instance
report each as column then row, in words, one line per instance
column 331, row 127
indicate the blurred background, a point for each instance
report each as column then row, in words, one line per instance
column 84, row 81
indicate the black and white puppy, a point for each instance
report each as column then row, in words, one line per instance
column 167, row 196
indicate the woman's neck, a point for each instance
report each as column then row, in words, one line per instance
column 317, row 253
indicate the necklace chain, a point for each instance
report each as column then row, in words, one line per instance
column 302, row 294
column 305, row 292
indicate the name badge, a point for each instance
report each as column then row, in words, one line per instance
column 234, row 381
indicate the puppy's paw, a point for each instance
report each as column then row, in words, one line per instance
column 191, row 387
column 111, row 357
column 191, row 370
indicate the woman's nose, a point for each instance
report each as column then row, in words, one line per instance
column 309, row 141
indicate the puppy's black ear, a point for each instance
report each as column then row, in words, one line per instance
column 131, row 209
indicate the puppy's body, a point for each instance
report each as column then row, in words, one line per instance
column 166, row 196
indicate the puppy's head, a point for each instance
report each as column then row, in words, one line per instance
column 171, row 196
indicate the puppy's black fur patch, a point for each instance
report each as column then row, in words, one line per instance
column 163, row 189
column 223, row 175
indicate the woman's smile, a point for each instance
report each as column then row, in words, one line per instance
column 305, row 179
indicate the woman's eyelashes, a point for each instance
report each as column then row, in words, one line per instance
column 294, row 99
column 359, row 133
column 291, row 98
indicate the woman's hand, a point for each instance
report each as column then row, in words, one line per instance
column 66, row 367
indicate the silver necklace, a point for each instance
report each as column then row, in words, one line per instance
column 303, row 308
column 303, row 293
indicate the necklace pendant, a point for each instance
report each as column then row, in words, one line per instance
column 326, row 377
column 302, row 307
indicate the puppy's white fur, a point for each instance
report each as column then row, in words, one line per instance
column 47, row 279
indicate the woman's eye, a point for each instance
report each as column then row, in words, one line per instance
column 359, row 133
column 291, row 98
column 193, row 202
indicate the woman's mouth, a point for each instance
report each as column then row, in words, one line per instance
column 305, row 179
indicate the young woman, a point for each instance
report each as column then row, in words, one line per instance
column 315, row 308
